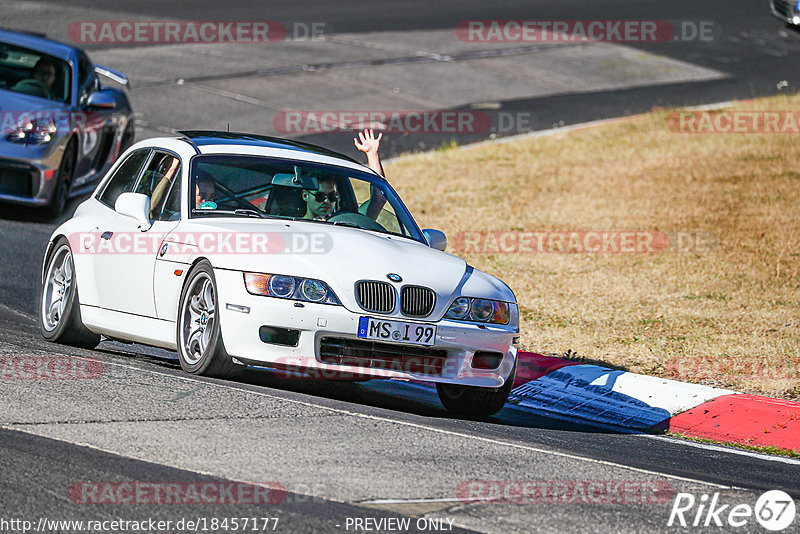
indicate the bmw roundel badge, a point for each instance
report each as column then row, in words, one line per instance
column 394, row 277
column 163, row 250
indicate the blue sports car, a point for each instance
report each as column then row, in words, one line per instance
column 787, row 10
column 60, row 127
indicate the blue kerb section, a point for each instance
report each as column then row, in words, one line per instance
column 567, row 392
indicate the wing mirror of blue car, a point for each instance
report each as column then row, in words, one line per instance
column 435, row 238
column 135, row 206
column 102, row 99
column 112, row 74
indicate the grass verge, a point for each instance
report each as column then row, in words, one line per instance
column 789, row 453
column 720, row 307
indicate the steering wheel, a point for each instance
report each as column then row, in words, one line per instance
column 357, row 219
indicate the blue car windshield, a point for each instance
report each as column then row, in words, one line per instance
column 225, row 185
column 33, row 73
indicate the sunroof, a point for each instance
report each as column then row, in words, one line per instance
column 209, row 137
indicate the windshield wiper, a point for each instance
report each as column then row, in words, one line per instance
column 243, row 212
column 346, row 223
column 249, row 212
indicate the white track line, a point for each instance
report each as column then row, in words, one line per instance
column 396, row 422
column 721, row 448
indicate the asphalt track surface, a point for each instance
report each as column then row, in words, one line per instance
column 377, row 449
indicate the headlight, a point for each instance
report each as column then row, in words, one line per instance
column 313, row 290
column 33, row 132
column 289, row 287
column 281, row 286
column 479, row 311
column 459, row 309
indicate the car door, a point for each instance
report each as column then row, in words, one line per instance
column 87, row 243
column 124, row 271
column 95, row 123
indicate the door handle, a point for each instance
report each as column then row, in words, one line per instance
column 106, row 235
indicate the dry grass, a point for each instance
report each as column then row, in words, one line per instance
column 728, row 317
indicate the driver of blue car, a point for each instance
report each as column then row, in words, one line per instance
column 41, row 81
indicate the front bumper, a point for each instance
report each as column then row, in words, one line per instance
column 786, row 10
column 317, row 322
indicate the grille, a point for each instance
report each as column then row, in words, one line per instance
column 18, row 179
column 403, row 358
column 376, row 297
column 416, row 301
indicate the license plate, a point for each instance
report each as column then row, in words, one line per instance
column 413, row 333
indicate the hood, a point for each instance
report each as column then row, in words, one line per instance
column 14, row 105
column 339, row 256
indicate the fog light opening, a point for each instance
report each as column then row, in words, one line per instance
column 279, row 336
column 486, row 360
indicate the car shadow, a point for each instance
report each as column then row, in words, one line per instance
column 401, row 396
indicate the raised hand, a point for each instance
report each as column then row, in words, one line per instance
column 367, row 142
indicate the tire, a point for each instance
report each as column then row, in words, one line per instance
column 63, row 178
column 201, row 350
column 59, row 305
column 476, row 401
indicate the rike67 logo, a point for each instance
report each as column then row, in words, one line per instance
column 774, row 511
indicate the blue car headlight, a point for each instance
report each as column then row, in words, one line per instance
column 33, row 131
column 290, row 287
column 479, row 310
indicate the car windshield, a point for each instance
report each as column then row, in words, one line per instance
column 237, row 185
column 26, row 71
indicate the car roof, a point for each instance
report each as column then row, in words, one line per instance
column 38, row 42
column 200, row 138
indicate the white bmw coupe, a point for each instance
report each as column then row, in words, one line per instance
column 241, row 250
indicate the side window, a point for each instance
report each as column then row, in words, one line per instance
column 156, row 181
column 124, row 178
column 172, row 206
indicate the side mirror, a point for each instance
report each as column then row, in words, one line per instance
column 136, row 206
column 436, row 239
column 101, row 99
column 112, row 74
